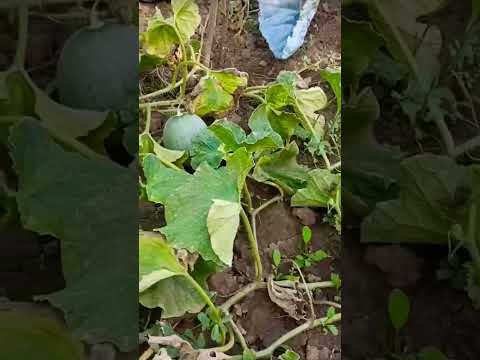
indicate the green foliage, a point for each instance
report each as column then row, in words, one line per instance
column 306, row 235
column 322, row 190
column 398, row 309
column 178, row 192
column 289, row 355
column 40, row 165
column 437, row 204
column 163, row 33
column 276, row 257
column 164, row 282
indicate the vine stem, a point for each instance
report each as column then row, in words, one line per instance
column 309, row 325
column 21, row 54
column 168, row 88
column 148, row 120
column 159, row 103
column 245, row 291
column 248, row 197
column 204, row 296
column 253, row 245
column 239, row 335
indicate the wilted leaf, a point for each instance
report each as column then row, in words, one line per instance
column 160, row 38
column 187, row 17
column 288, row 299
column 310, row 101
column 222, row 222
column 164, row 282
column 211, row 98
column 148, row 145
column 334, row 78
column 231, row 79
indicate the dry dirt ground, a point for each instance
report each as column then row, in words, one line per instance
column 278, row 226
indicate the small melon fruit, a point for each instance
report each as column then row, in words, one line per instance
column 98, row 68
column 180, row 130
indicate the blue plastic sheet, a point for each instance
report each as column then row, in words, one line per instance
column 284, row 24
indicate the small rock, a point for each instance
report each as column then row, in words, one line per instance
column 307, row 216
column 262, row 63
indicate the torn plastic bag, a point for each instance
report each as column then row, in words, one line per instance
column 284, row 24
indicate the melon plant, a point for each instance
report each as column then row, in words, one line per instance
column 180, row 130
column 98, row 66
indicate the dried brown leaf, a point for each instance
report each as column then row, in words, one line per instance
column 288, row 299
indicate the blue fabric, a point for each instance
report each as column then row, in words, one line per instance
column 284, row 24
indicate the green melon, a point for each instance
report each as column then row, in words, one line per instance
column 98, row 68
column 180, row 130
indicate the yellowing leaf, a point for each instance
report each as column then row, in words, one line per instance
column 231, row 79
column 222, row 222
column 160, row 38
column 164, row 282
column 149, row 145
column 187, row 17
column 212, row 98
column 311, row 100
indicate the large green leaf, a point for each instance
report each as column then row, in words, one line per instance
column 29, row 331
column 83, row 203
column 321, row 190
column 434, row 197
column 164, row 282
column 188, row 199
column 187, row 17
column 261, row 138
column 282, row 168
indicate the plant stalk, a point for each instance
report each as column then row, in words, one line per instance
column 205, row 297
column 21, row 54
column 253, row 245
